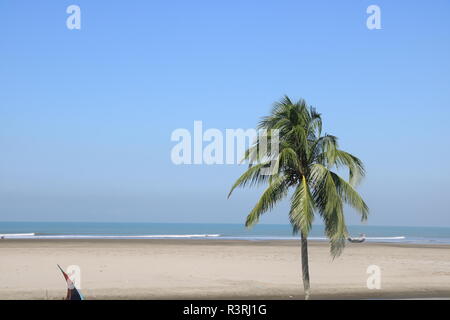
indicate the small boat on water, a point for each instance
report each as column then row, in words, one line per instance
column 361, row 238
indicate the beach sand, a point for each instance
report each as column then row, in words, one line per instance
column 219, row 269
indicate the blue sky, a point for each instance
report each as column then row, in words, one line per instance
column 86, row 115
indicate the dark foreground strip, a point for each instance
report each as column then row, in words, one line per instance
column 219, row 309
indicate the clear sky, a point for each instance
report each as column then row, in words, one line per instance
column 86, row 115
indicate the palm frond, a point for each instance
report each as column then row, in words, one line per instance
column 276, row 190
column 301, row 214
column 251, row 177
column 346, row 192
column 355, row 166
column 329, row 203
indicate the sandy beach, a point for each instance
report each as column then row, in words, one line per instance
column 219, row 269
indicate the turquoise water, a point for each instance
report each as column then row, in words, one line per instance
column 57, row 230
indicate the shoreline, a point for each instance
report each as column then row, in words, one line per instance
column 219, row 269
column 213, row 241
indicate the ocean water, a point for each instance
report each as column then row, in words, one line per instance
column 93, row 230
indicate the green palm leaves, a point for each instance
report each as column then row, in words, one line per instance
column 304, row 166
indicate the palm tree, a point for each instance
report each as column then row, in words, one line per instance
column 303, row 168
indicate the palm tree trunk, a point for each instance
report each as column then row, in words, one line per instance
column 305, row 267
